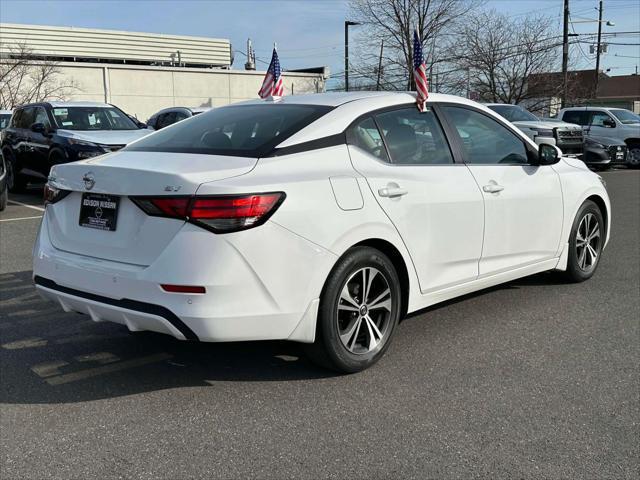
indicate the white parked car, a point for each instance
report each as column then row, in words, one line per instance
column 321, row 219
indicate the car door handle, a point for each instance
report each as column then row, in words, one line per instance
column 493, row 188
column 392, row 192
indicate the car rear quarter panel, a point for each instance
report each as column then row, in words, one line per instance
column 311, row 210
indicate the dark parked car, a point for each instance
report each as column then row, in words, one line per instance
column 171, row 115
column 44, row 134
column 602, row 152
column 4, row 191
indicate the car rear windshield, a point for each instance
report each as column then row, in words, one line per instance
column 237, row 130
column 92, row 118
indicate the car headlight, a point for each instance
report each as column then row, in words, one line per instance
column 82, row 143
column 543, row 132
column 597, row 145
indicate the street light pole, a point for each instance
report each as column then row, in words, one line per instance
column 347, row 23
column 565, row 53
column 595, row 93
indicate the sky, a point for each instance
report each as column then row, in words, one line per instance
column 308, row 32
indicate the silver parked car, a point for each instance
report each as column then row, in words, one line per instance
column 171, row 115
column 566, row 136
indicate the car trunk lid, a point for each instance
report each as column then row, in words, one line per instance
column 137, row 238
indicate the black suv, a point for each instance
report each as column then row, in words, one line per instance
column 44, row 134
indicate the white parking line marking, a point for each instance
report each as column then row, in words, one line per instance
column 20, row 218
column 40, row 209
column 109, row 368
column 26, row 343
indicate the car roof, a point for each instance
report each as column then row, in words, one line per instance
column 78, row 104
column 336, row 99
column 349, row 106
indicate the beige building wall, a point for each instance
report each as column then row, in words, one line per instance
column 143, row 90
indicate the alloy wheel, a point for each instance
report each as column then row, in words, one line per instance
column 588, row 242
column 364, row 311
column 634, row 156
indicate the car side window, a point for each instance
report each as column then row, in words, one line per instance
column 414, row 138
column 16, row 118
column 41, row 117
column 25, row 118
column 365, row 135
column 165, row 119
column 180, row 116
column 579, row 117
column 600, row 119
column 486, row 141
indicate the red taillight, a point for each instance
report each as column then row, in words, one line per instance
column 221, row 214
column 183, row 289
column 52, row 194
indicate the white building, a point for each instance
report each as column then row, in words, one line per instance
column 145, row 72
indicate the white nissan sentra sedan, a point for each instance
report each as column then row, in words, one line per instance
column 320, row 219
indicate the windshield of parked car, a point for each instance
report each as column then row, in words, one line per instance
column 240, row 130
column 4, row 120
column 92, row 118
column 625, row 116
column 514, row 113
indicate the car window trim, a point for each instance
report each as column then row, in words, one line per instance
column 531, row 153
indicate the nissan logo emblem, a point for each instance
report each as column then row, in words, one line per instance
column 88, row 180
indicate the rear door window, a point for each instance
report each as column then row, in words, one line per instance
column 414, row 137
column 237, row 130
column 366, row 136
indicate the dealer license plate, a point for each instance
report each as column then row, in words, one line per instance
column 99, row 211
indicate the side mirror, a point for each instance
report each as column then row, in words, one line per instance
column 39, row 128
column 548, row 154
column 142, row 125
column 609, row 123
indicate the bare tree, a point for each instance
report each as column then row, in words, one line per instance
column 394, row 21
column 498, row 56
column 25, row 78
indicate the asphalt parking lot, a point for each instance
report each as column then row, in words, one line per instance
column 536, row 378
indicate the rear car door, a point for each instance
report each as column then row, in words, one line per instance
column 433, row 202
column 523, row 202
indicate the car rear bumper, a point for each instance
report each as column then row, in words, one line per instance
column 260, row 285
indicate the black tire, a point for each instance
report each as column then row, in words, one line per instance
column 379, row 275
column 633, row 155
column 16, row 182
column 581, row 264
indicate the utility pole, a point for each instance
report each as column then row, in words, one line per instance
column 565, row 53
column 380, row 65
column 347, row 23
column 595, row 93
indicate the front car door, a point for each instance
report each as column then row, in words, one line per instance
column 523, row 202
column 601, row 123
column 38, row 144
column 433, row 202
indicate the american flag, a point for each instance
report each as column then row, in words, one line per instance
column 420, row 72
column 272, row 84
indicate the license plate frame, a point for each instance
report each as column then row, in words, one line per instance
column 99, row 211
